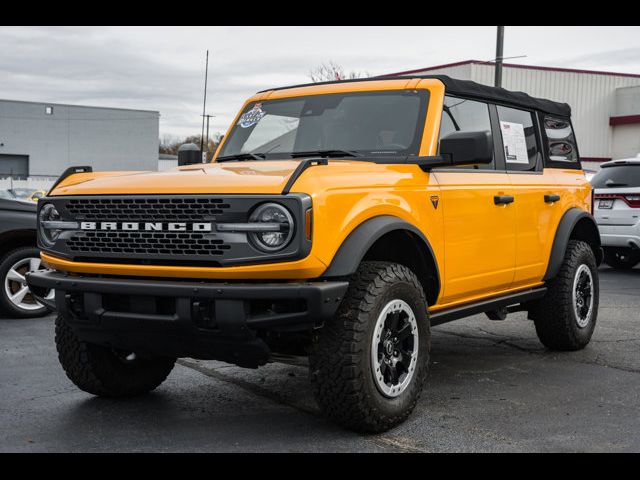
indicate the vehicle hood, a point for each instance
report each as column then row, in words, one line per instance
column 255, row 177
column 267, row 177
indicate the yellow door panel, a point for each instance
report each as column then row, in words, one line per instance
column 479, row 235
column 535, row 218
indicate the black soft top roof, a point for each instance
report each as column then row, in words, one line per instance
column 469, row 89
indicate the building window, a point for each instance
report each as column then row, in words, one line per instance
column 48, row 110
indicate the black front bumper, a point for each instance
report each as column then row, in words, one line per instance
column 188, row 318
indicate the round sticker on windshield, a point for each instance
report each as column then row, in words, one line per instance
column 253, row 116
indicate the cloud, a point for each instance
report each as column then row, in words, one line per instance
column 161, row 68
column 623, row 58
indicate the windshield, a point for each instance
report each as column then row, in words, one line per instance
column 385, row 123
column 618, row 176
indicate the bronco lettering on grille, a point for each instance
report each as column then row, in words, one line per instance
column 147, row 226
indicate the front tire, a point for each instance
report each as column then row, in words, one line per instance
column 566, row 317
column 369, row 363
column 106, row 372
column 621, row 258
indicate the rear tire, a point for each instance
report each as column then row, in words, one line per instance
column 621, row 258
column 369, row 363
column 566, row 317
column 105, row 372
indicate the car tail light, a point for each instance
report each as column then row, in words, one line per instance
column 631, row 199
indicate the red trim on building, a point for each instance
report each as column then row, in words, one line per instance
column 513, row 65
column 624, row 120
column 437, row 67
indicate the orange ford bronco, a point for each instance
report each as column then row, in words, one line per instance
column 337, row 221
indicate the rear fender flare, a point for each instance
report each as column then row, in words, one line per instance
column 573, row 218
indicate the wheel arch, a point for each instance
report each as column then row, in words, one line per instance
column 576, row 224
column 12, row 239
column 389, row 238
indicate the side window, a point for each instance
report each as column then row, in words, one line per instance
column 521, row 150
column 561, row 142
column 462, row 115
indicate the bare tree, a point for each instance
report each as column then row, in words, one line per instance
column 170, row 144
column 327, row 72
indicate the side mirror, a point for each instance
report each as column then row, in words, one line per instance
column 189, row 154
column 467, row 148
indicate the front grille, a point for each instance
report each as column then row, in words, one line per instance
column 157, row 243
column 158, row 209
column 168, row 243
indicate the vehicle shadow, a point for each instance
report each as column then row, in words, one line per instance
column 196, row 416
column 491, row 384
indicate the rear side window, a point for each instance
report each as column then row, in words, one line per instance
column 617, row 177
column 521, row 152
column 562, row 149
column 461, row 115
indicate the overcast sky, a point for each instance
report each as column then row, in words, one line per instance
column 162, row 68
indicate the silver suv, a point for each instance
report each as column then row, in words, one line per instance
column 617, row 211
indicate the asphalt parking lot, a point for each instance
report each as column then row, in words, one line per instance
column 492, row 387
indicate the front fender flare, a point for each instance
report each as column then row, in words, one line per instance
column 348, row 257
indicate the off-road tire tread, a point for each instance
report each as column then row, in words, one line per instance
column 553, row 316
column 336, row 375
column 91, row 369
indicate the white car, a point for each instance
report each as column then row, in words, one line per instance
column 617, row 211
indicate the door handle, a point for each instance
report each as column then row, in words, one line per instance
column 551, row 198
column 503, row 199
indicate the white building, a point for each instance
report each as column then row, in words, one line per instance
column 605, row 106
column 40, row 140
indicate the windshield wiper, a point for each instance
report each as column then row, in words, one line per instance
column 241, row 157
column 311, row 153
column 326, row 153
column 612, row 184
column 248, row 156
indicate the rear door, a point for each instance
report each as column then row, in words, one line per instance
column 479, row 233
column 534, row 187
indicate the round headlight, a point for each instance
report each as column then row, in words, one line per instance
column 278, row 228
column 48, row 213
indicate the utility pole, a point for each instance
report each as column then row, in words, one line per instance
column 204, row 103
column 499, row 56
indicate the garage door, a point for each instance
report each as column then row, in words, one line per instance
column 16, row 166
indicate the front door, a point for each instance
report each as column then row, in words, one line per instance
column 479, row 217
column 479, row 233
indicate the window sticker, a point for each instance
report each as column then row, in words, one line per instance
column 252, row 117
column 515, row 143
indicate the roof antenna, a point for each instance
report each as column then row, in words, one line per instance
column 204, row 103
